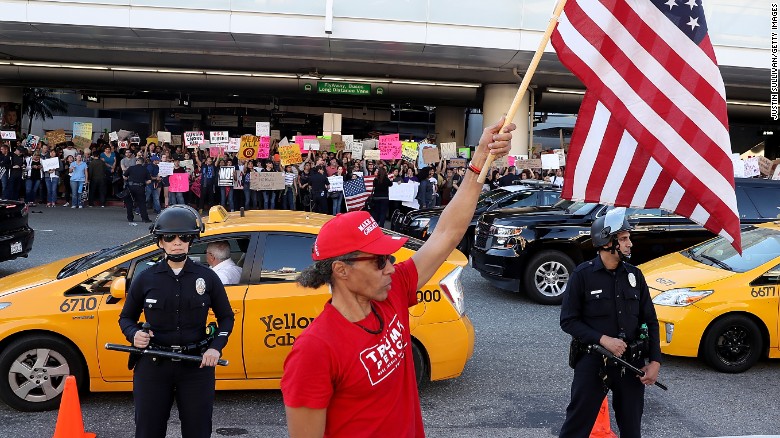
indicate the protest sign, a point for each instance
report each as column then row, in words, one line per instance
column 370, row 144
column 561, row 157
column 151, row 140
column 135, row 139
column 550, row 161
column 226, row 176
column 290, row 154
column 776, row 175
column 358, row 173
column 32, row 141
column 409, row 150
column 56, row 137
column 254, row 180
column 529, row 164
column 510, row 160
column 219, row 137
column 234, row 144
column 205, row 145
column 268, row 181
column 193, row 138
column 448, row 150
column 82, row 129
column 123, row 134
column 430, row 155
column 414, row 203
column 164, row 136
column 751, row 167
column 324, row 143
column 371, row 155
column 113, row 136
column 176, row 140
column 402, row 192
column 166, row 168
column 187, row 164
column 300, row 139
column 336, row 183
column 123, row 144
column 8, row 135
column 81, row 142
column 264, row 147
column 215, row 151
column 179, row 183
column 248, row 147
column 456, row 162
column 765, row 166
column 464, row 152
column 356, row 148
column 50, row 163
column 500, row 163
column 390, row 147
column 263, row 129
column 276, row 134
column 739, row 166
column 311, row 145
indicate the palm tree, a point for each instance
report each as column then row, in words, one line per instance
column 39, row 103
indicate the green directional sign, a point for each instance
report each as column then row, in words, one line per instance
column 344, row 88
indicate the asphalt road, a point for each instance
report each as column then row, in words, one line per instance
column 516, row 385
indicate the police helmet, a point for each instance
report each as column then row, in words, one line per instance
column 607, row 226
column 178, row 219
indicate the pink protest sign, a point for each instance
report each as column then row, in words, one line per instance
column 389, row 147
column 179, row 182
column 510, row 160
column 300, row 138
column 215, row 151
column 264, row 147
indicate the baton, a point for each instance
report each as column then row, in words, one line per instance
column 160, row 353
column 608, row 354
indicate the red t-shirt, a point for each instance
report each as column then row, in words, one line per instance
column 366, row 382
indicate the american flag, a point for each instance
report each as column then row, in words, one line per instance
column 356, row 191
column 652, row 129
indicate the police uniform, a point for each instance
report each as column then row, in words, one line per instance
column 614, row 303
column 137, row 175
column 176, row 306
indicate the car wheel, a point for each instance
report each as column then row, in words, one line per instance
column 33, row 371
column 420, row 367
column 546, row 276
column 732, row 344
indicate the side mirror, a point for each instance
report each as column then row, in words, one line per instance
column 117, row 289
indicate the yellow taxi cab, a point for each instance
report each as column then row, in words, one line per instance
column 713, row 303
column 56, row 319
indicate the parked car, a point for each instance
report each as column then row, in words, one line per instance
column 534, row 249
column 719, row 305
column 55, row 319
column 421, row 223
column 16, row 236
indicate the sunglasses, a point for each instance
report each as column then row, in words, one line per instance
column 186, row 238
column 381, row 260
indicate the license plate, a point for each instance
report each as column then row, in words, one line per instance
column 16, row 247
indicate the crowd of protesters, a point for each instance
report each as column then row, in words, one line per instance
column 107, row 171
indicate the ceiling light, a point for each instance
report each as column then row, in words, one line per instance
column 565, row 91
column 144, row 91
column 86, row 67
column 274, row 75
column 33, row 64
column 227, row 73
column 148, row 70
column 191, row 72
column 747, row 103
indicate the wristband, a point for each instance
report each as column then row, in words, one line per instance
column 474, row 169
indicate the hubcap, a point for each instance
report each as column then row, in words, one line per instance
column 550, row 278
column 38, row 375
column 733, row 346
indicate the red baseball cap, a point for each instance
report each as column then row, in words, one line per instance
column 354, row 231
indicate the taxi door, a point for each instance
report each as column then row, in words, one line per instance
column 276, row 308
column 767, row 286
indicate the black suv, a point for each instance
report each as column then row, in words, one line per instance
column 16, row 237
column 421, row 223
column 534, row 249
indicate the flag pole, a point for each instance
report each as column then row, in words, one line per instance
column 526, row 81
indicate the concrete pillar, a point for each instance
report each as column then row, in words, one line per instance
column 498, row 99
column 156, row 121
column 11, row 109
column 450, row 124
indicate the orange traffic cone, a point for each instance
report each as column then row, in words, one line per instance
column 602, row 428
column 70, row 423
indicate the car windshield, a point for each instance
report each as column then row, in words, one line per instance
column 759, row 245
column 575, row 207
column 489, row 198
column 102, row 256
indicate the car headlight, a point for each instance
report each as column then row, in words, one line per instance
column 504, row 234
column 680, row 297
column 4, row 305
column 420, row 223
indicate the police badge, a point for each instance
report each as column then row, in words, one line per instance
column 631, row 279
column 200, row 286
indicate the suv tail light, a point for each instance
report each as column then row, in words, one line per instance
column 453, row 288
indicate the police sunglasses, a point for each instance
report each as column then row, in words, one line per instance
column 381, row 260
column 186, row 238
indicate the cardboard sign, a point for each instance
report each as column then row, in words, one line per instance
column 776, row 175
column 290, row 154
column 219, row 137
column 248, row 147
column 194, row 138
column 464, row 153
column 263, row 129
column 356, row 149
column 300, row 139
column 8, row 135
column 50, row 164
column 81, row 142
column 276, row 134
column 529, row 164
column 82, row 129
column 325, row 143
column 336, row 183
column 166, row 168
column 390, row 147
column 164, row 136
column 179, row 182
column 267, row 181
column 456, row 162
column 311, row 145
column 765, row 166
column 500, row 163
column 123, row 134
column 409, row 150
column 431, row 155
column 226, row 176
column 448, row 150
column 264, row 147
column 56, row 137
column 234, row 144
column 370, row 144
column 113, row 136
column 402, row 192
column 371, row 155
column 151, row 140
column 176, row 140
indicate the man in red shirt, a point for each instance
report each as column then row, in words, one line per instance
column 350, row 373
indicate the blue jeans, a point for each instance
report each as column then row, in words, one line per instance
column 288, row 199
column 176, row 198
column 31, row 189
column 6, row 185
column 76, row 187
column 269, row 199
column 154, row 194
column 226, row 194
column 51, row 189
column 250, row 198
column 337, row 201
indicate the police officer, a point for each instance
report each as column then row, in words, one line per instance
column 607, row 302
column 137, row 177
column 175, row 296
